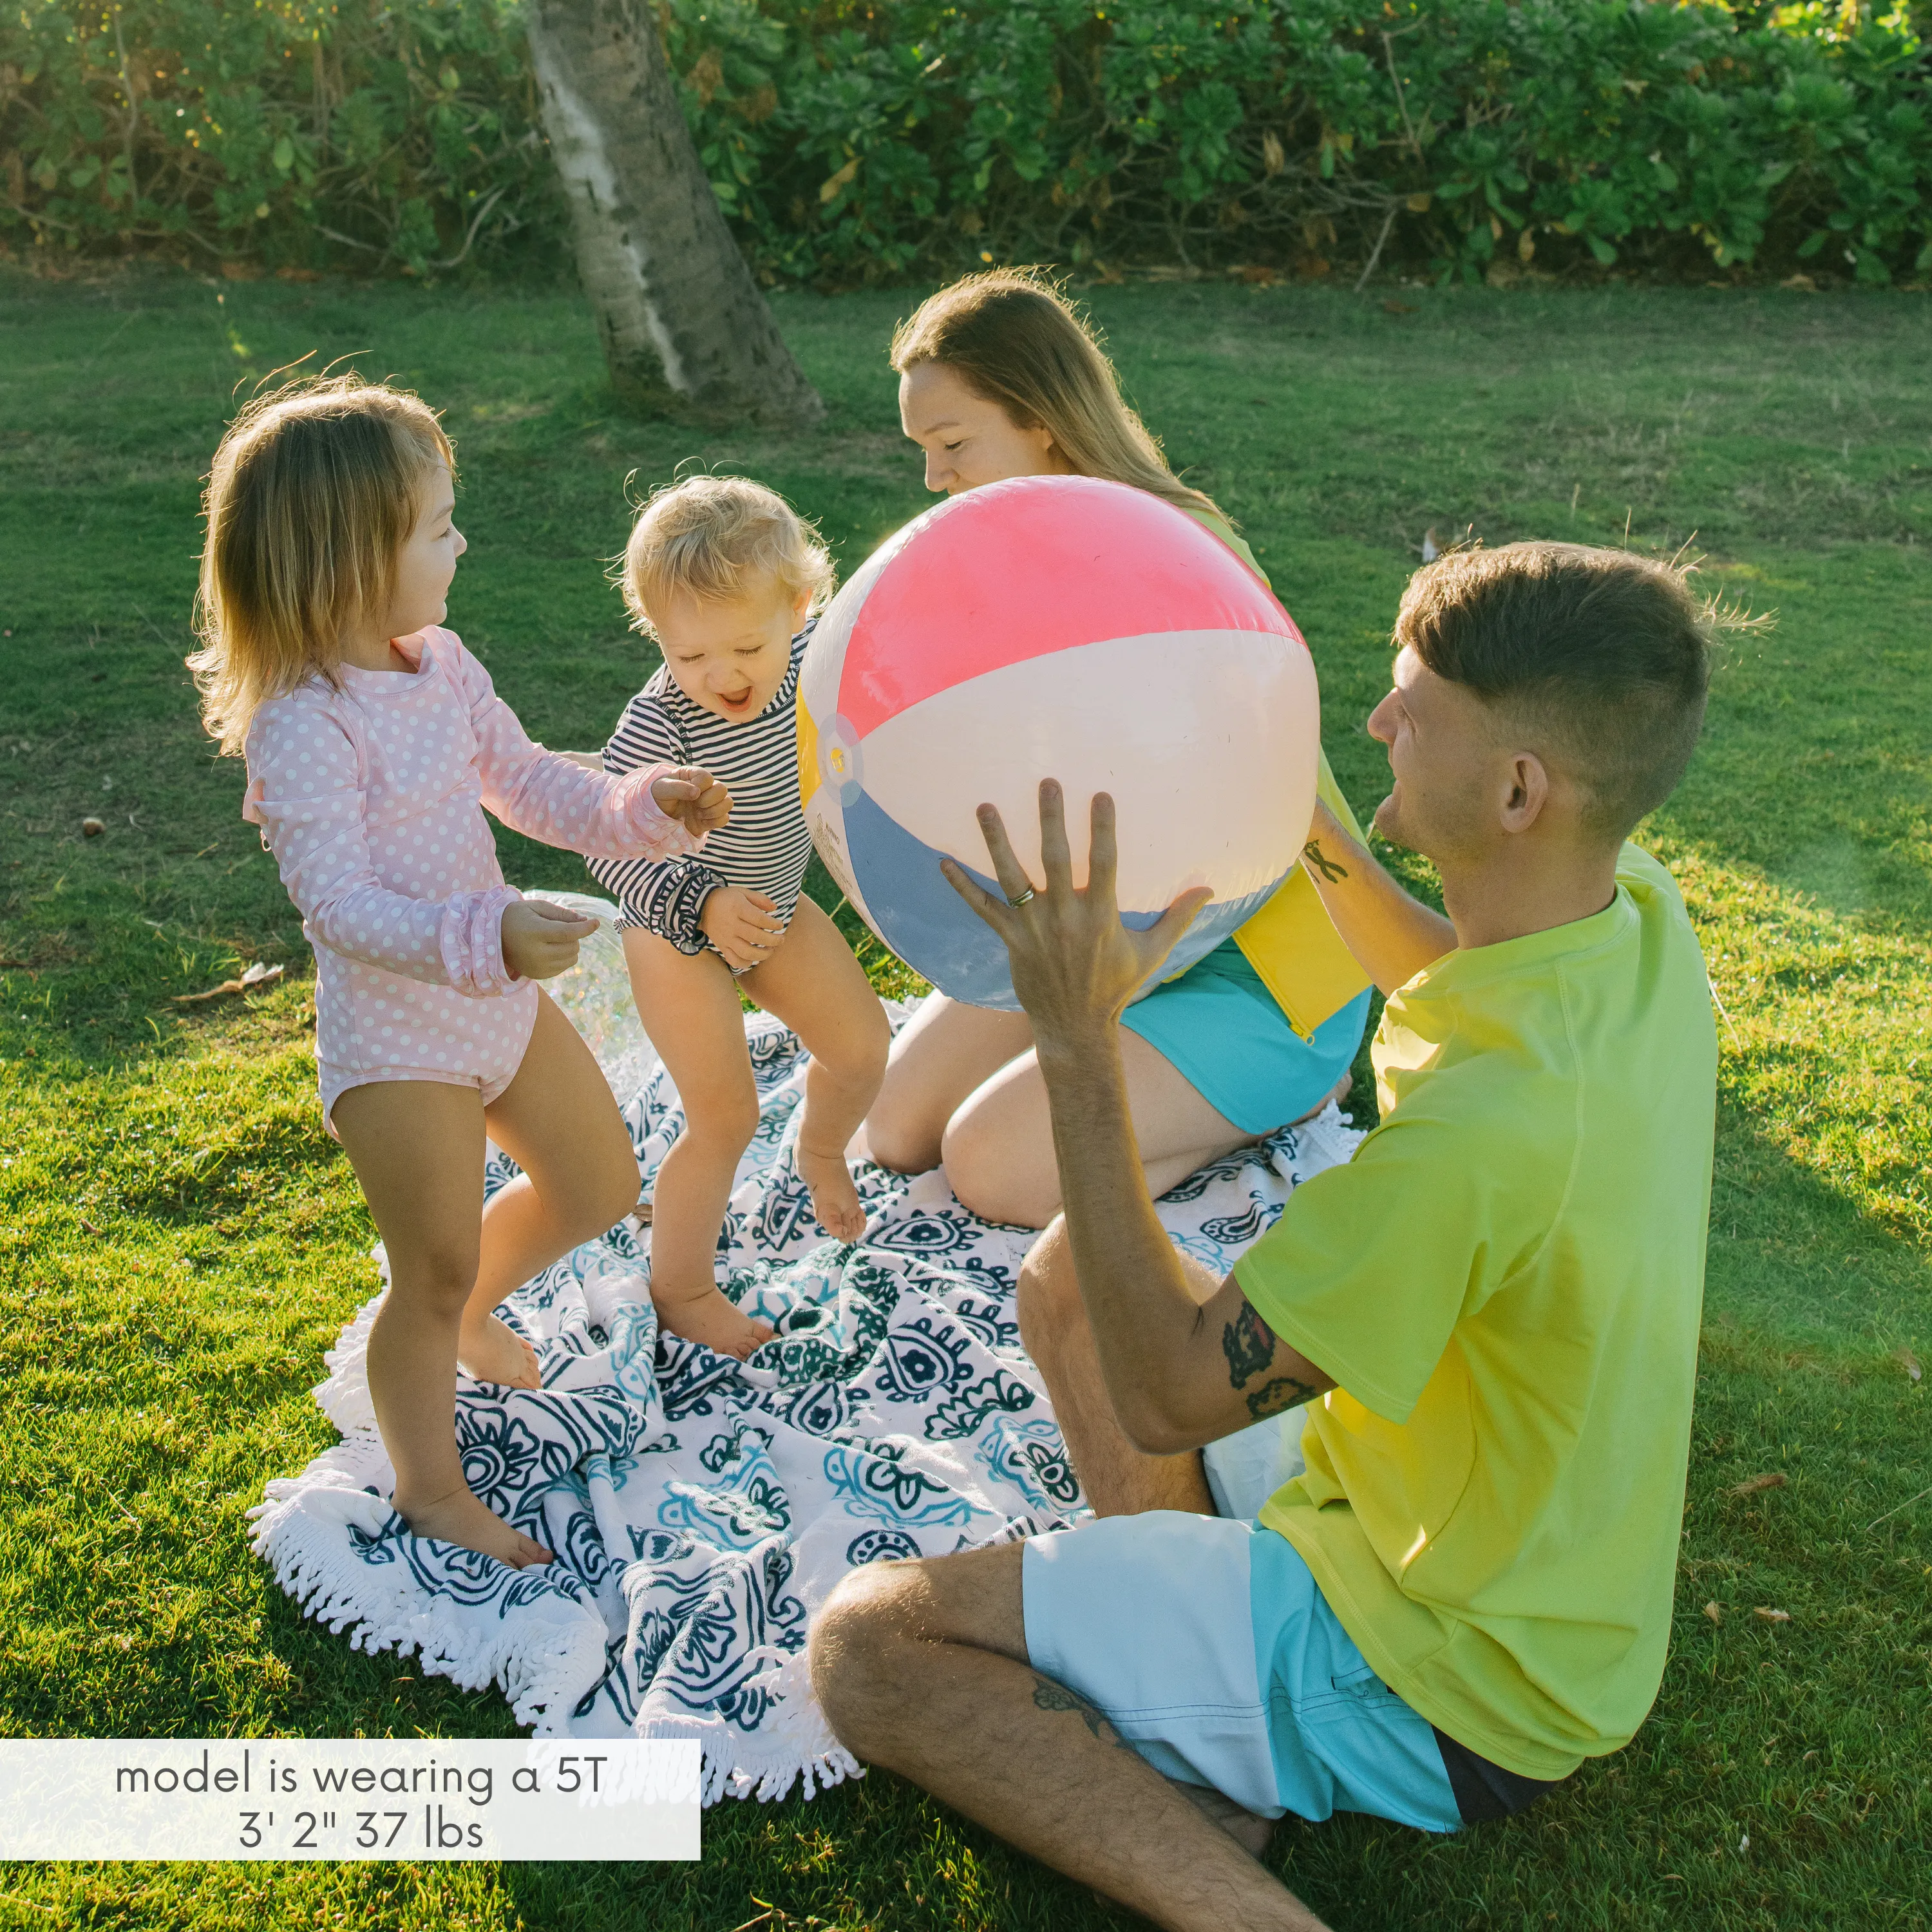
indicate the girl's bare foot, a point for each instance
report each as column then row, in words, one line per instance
column 709, row 1317
column 460, row 1518
column 835, row 1199
column 490, row 1351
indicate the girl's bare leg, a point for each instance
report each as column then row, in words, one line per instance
column 689, row 1006
column 813, row 984
column 943, row 1054
column 557, row 1120
column 418, row 1151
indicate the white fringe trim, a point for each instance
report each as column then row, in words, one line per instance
column 802, row 1747
column 546, row 1654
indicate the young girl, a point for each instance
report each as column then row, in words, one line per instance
column 724, row 576
column 373, row 739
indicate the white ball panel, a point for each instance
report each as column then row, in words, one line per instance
column 1207, row 740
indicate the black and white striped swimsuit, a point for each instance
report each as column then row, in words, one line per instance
column 767, row 845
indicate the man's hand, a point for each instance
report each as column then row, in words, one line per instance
column 540, row 940
column 694, row 798
column 1074, row 966
column 744, row 926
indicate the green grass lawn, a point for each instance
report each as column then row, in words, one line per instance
column 179, row 1242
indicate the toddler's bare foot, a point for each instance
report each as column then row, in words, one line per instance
column 835, row 1199
column 492, row 1351
column 460, row 1518
column 709, row 1317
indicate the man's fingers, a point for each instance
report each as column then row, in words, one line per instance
column 1102, row 850
column 975, row 895
column 1165, row 932
column 1006, row 867
column 1056, row 857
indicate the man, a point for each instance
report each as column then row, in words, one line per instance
column 1492, row 1312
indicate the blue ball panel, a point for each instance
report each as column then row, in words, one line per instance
column 939, row 936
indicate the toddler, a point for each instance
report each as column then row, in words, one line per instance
column 373, row 741
column 725, row 575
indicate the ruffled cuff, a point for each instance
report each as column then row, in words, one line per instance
column 472, row 942
column 679, row 906
column 653, row 831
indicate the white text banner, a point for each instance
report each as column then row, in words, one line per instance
column 345, row 1799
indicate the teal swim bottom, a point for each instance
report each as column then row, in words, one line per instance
column 1209, row 1649
column 1218, row 1025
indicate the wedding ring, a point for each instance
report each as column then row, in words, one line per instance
column 1021, row 900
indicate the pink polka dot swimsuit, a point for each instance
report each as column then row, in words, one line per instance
column 371, row 795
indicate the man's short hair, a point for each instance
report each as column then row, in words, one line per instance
column 1608, row 653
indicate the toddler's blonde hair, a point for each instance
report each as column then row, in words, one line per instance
column 312, row 494
column 720, row 536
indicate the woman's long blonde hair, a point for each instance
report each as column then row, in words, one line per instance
column 1014, row 340
column 313, row 493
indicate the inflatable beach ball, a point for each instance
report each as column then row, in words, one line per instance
column 1053, row 627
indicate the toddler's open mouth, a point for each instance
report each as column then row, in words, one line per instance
column 736, row 702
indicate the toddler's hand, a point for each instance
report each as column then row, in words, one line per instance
column 744, row 926
column 540, row 940
column 694, row 798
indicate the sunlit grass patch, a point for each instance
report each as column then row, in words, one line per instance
column 180, row 1241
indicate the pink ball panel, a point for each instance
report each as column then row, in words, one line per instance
column 1038, row 564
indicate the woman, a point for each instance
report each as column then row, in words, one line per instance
column 998, row 377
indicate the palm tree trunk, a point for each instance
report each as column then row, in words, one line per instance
column 682, row 320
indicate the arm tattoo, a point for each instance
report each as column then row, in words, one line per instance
column 1248, row 1342
column 1283, row 1392
column 1048, row 1696
column 1320, row 861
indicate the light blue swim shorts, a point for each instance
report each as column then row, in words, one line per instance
column 1208, row 1647
column 1220, row 1026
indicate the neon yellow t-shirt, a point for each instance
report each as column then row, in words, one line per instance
column 1507, row 1283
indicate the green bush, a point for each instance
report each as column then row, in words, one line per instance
column 289, row 134
column 848, row 142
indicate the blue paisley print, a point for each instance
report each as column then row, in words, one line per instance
column 697, row 1504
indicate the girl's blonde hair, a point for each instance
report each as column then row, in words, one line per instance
column 313, row 493
column 1014, row 340
column 718, row 536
